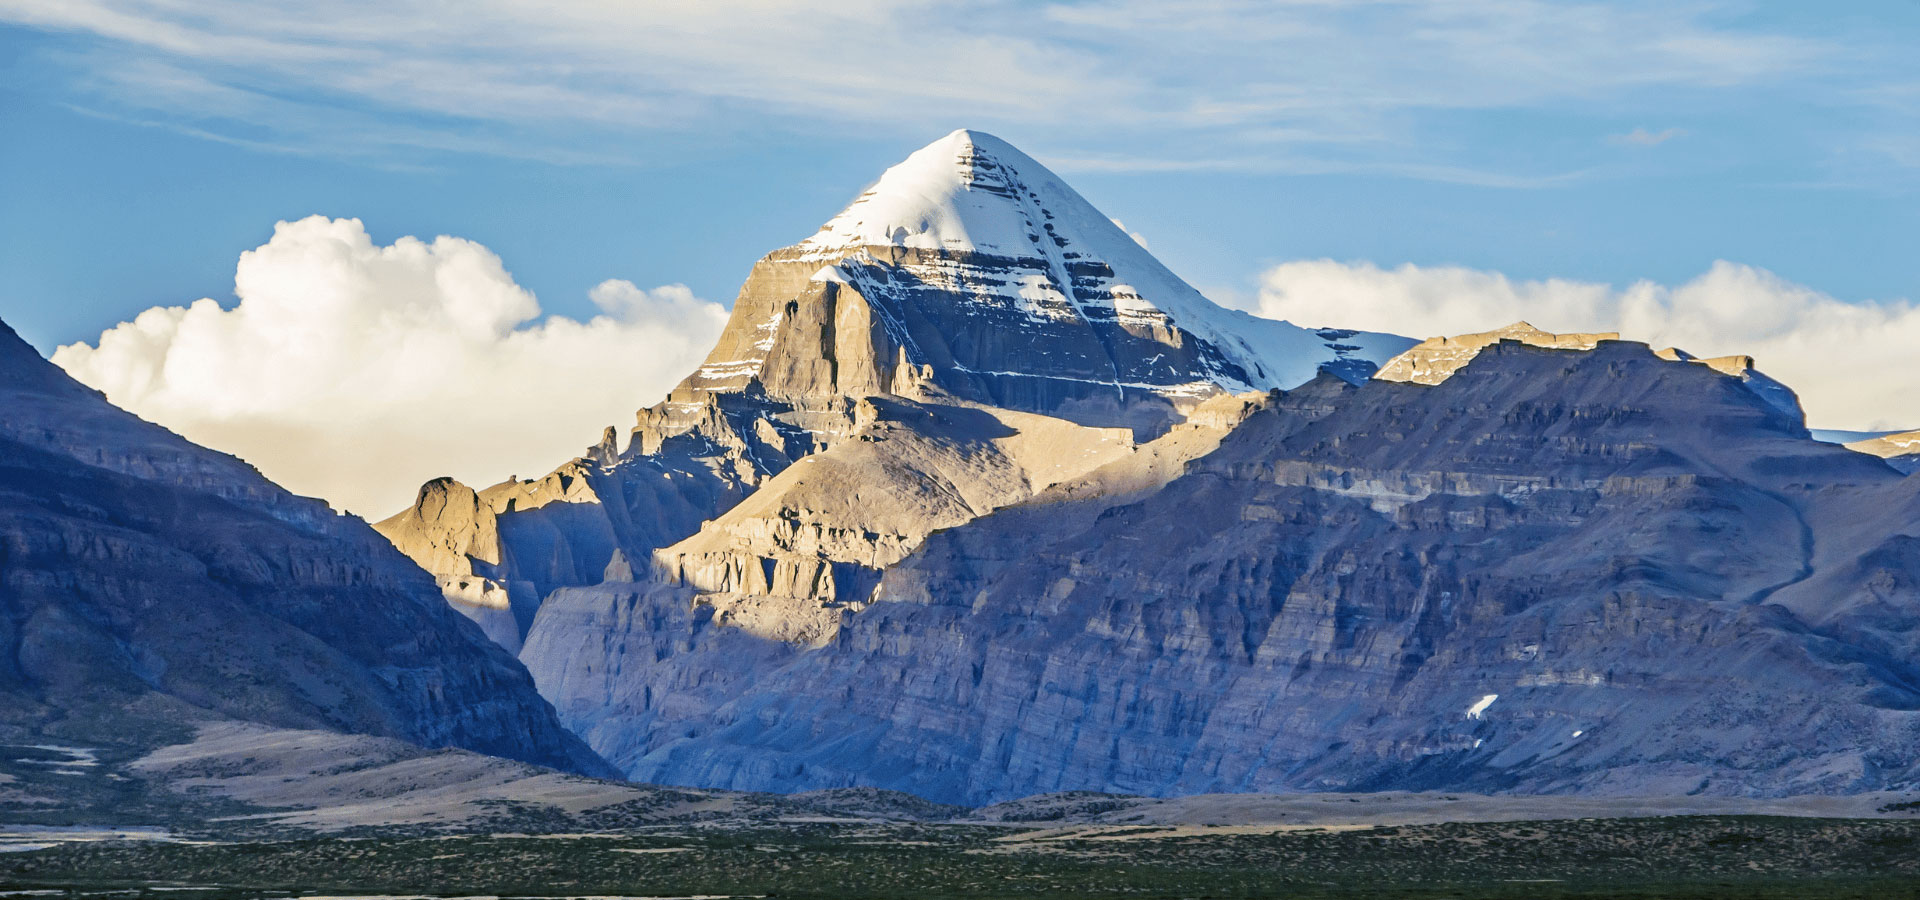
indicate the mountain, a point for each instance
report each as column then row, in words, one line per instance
column 1901, row 451
column 1601, row 571
column 1436, row 359
column 990, row 277
column 975, row 501
column 148, row 586
column 967, row 333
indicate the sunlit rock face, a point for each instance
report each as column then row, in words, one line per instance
column 1436, row 359
column 148, row 584
column 1599, row 571
column 967, row 333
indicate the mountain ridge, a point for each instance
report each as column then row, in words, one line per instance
column 147, row 584
column 1555, row 571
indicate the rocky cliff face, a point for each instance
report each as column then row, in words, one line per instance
column 808, row 547
column 147, row 583
column 1436, row 359
column 498, row 551
column 1600, row 571
column 968, row 332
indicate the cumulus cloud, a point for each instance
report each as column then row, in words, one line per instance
column 1851, row 363
column 354, row 371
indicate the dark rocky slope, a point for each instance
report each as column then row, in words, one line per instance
column 148, row 584
column 1555, row 571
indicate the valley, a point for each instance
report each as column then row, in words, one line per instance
column 243, row 812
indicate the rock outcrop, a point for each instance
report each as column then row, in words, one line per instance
column 1436, row 359
column 1554, row 571
column 147, row 584
column 1741, row 366
column 810, row 544
column 497, row 551
column 968, row 332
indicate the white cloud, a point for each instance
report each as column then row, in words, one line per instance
column 1851, row 363
column 354, row 371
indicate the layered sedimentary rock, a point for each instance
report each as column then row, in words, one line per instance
column 624, row 658
column 1598, row 571
column 1741, row 366
column 972, row 268
column 810, row 544
column 498, row 551
column 147, row 583
column 969, row 292
column 1436, row 359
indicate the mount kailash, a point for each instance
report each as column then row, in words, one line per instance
column 975, row 499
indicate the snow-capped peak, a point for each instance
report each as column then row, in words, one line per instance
column 972, row 193
column 966, row 192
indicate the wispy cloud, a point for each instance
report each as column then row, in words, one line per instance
column 1290, row 165
column 1246, row 80
column 1641, row 137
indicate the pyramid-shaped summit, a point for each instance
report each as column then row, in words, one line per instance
column 972, row 269
column 972, row 192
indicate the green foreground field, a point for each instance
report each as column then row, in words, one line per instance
column 1672, row 858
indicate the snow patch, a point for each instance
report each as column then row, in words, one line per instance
column 76, row 756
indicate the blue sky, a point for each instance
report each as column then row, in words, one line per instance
column 146, row 146
column 1455, row 144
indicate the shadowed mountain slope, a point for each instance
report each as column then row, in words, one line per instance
column 147, row 584
column 1598, row 571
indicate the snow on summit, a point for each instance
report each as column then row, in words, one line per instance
column 971, row 194
column 949, row 195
